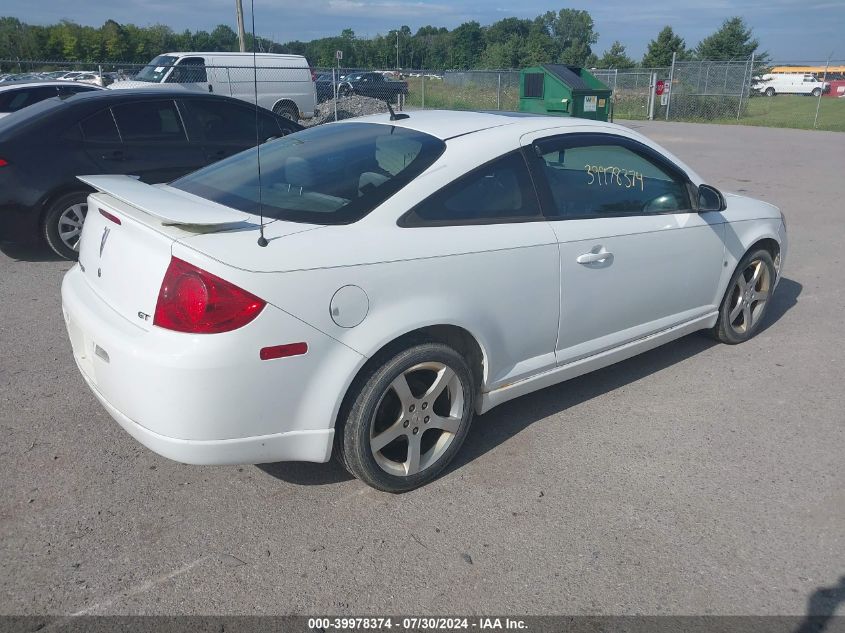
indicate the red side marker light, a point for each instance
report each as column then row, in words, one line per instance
column 283, row 351
column 110, row 216
column 3, row 162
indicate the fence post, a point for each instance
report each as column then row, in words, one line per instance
column 422, row 78
column 750, row 74
column 651, row 96
column 334, row 89
column 671, row 88
column 819, row 102
column 499, row 92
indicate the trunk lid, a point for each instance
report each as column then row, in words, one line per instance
column 129, row 232
column 128, row 236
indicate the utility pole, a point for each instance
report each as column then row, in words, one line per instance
column 397, row 50
column 239, row 7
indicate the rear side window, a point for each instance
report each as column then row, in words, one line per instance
column 15, row 100
column 328, row 174
column 220, row 122
column 499, row 191
column 149, row 121
column 100, row 128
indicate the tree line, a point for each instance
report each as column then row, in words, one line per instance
column 566, row 37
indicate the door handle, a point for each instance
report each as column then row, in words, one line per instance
column 592, row 258
column 115, row 155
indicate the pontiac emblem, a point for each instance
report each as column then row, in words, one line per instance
column 103, row 239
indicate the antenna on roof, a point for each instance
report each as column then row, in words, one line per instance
column 262, row 241
column 393, row 115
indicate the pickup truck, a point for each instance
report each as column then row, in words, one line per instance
column 372, row 84
column 777, row 83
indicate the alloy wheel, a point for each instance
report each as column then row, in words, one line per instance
column 70, row 225
column 749, row 296
column 417, row 419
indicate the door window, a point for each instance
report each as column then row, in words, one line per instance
column 499, row 191
column 189, row 70
column 149, row 121
column 598, row 177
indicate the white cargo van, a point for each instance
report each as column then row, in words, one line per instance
column 784, row 83
column 285, row 82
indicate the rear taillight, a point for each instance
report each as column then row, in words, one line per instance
column 3, row 162
column 313, row 74
column 195, row 301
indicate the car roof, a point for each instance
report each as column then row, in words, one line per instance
column 17, row 122
column 29, row 83
column 446, row 124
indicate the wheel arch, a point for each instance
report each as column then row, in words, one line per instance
column 458, row 338
column 58, row 192
column 769, row 244
column 285, row 101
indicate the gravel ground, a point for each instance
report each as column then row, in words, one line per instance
column 694, row 479
column 347, row 108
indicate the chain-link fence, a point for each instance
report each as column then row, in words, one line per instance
column 810, row 95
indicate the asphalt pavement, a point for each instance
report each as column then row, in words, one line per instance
column 695, row 479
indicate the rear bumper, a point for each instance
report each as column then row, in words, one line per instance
column 209, row 399
column 307, row 446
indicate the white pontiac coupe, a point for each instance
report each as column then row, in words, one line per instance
column 417, row 270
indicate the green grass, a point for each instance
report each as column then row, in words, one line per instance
column 468, row 97
column 791, row 111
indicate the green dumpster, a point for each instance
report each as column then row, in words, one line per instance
column 563, row 90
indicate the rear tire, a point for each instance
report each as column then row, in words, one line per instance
column 63, row 223
column 747, row 298
column 407, row 418
column 287, row 110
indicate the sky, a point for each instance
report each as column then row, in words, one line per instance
column 790, row 30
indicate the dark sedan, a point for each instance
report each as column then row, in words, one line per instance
column 157, row 135
column 374, row 85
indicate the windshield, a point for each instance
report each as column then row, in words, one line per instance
column 329, row 174
column 156, row 70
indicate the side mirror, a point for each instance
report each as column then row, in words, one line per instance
column 710, row 199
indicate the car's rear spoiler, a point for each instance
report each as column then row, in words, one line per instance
column 170, row 205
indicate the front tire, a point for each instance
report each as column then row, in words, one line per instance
column 747, row 299
column 63, row 223
column 817, row 92
column 408, row 418
column 770, row 92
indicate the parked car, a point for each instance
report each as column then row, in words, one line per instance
column 774, row 84
column 153, row 135
column 372, row 84
column 285, row 82
column 324, row 84
column 90, row 78
column 415, row 271
column 16, row 95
